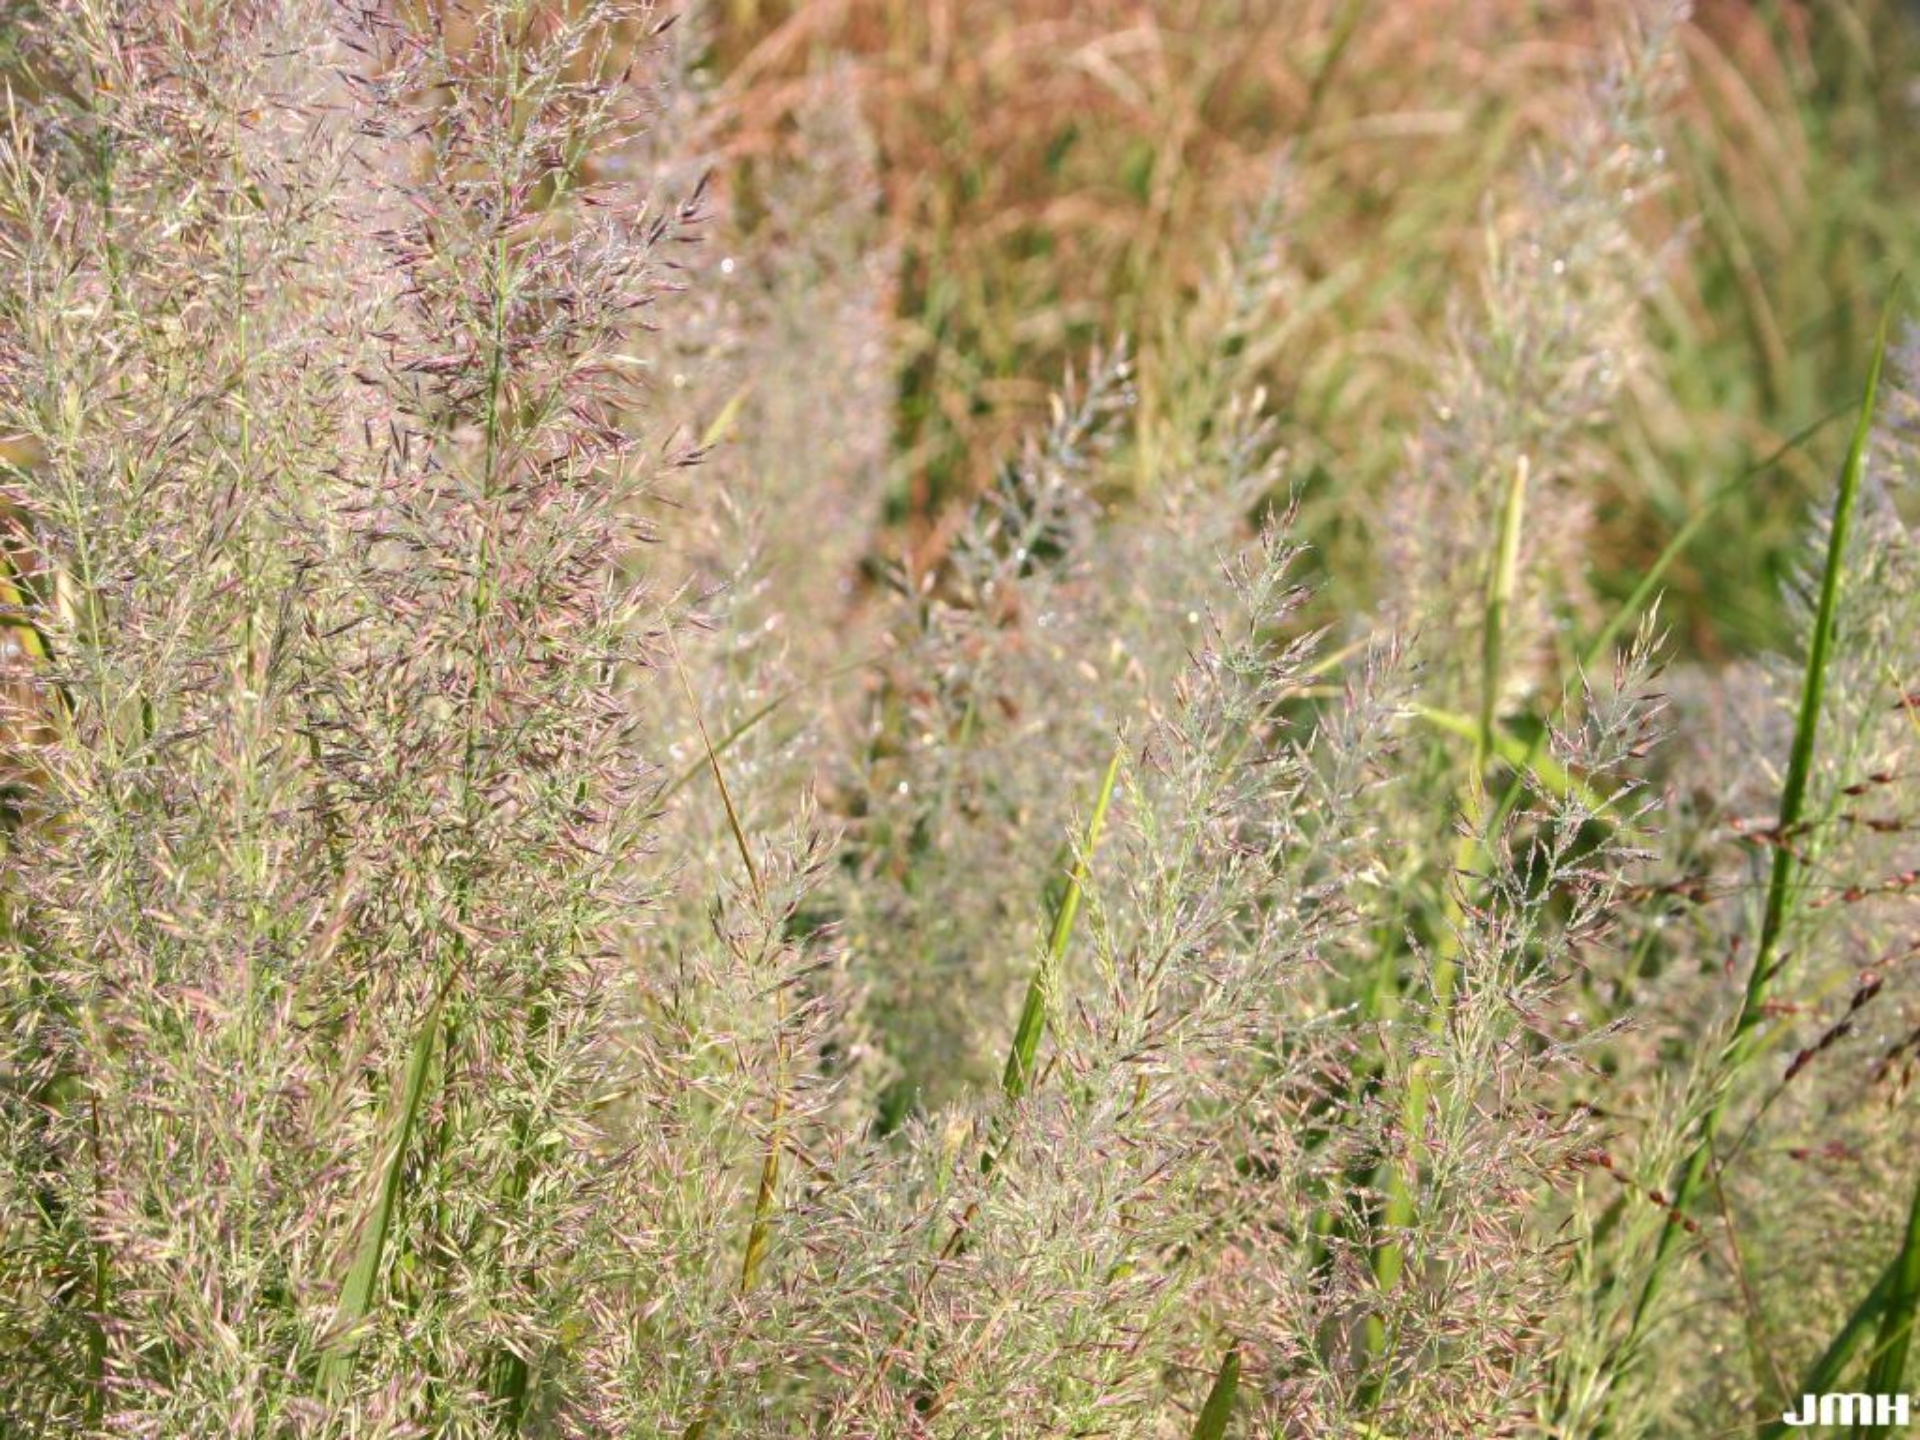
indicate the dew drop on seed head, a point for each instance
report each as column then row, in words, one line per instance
column 726, row 266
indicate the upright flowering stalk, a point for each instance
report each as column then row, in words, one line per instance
column 328, row 345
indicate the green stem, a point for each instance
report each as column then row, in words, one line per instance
column 1740, row 1047
column 1020, row 1063
column 1022, row 1055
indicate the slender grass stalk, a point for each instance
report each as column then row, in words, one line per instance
column 1021, row 1057
column 759, row 1232
column 509, row 1374
column 763, row 1202
column 766, row 1191
column 439, row 1026
column 1524, row 758
column 734, row 827
column 1389, row 1260
column 1493, row 631
column 1033, row 1012
column 102, row 1287
column 1397, row 1215
column 753, row 720
column 1741, row 1047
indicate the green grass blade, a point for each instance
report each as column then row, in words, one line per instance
column 1813, row 692
column 1825, row 1376
column 767, row 1189
column 1214, row 1415
column 356, row 1296
column 1889, row 1373
column 1033, row 1013
column 1793, row 796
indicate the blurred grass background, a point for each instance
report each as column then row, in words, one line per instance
column 1055, row 173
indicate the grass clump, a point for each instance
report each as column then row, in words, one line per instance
column 599, row 844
